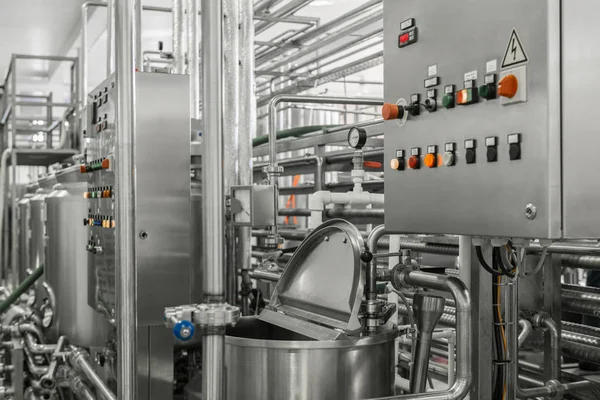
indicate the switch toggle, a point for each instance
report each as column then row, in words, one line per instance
column 492, row 148
column 508, row 86
column 514, row 142
column 470, row 154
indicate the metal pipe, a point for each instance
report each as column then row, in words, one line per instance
column 126, row 285
column 549, row 323
column 525, row 331
column 193, row 42
column 247, row 120
column 80, row 388
column 578, row 305
column 265, row 275
column 428, row 310
column 213, row 210
column 578, row 328
column 79, row 359
column 110, row 24
column 580, row 261
column 462, row 384
column 371, row 266
column 273, row 169
column 231, row 131
column 178, row 20
column 285, row 11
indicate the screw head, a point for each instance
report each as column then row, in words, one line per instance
column 143, row 235
column 530, row 211
column 326, row 238
column 185, row 333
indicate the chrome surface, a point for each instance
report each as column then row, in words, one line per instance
column 304, row 369
column 178, row 15
column 37, row 249
column 331, row 253
column 193, row 54
column 126, row 279
column 24, row 239
column 427, row 310
column 66, row 268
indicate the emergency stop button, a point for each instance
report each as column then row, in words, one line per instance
column 508, row 86
column 392, row 111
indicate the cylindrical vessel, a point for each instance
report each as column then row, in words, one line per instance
column 66, row 268
column 265, row 362
column 24, row 237
column 37, row 248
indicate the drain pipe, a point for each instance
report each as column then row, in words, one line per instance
column 407, row 277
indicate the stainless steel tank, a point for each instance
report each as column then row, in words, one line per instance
column 24, row 238
column 37, row 248
column 66, row 270
column 265, row 362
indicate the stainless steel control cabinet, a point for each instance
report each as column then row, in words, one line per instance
column 162, row 202
column 544, row 187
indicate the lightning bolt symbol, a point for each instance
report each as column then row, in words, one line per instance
column 514, row 49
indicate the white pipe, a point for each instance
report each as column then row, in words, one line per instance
column 318, row 201
column 178, row 37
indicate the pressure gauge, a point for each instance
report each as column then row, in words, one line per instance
column 357, row 137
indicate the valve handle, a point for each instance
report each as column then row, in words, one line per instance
column 184, row 330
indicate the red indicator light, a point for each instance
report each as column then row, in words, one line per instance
column 404, row 38
column 464, row 96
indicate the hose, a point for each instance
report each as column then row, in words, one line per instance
column 22, row 288
column 294, row 132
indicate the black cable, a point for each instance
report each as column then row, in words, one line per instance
column 506, row 270
column 485, row 264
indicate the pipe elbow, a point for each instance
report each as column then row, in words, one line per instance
column 460, row 292
column 317, row 201
column 460, row 389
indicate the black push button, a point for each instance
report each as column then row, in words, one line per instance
column 514, row 152
column 470, row 156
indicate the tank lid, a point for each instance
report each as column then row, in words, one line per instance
column 320, row 291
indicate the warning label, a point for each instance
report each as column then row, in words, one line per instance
column 515, row 52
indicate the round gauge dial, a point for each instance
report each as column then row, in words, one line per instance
column 357, row 137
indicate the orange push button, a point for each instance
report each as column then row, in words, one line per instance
column 391, row 111
column 105, row 163
column 508, row 86
column 395, row 164
column 430, row 160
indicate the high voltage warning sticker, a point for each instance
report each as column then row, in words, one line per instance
column 515, row 52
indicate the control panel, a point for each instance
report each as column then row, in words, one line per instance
column 480, row 147
column 162, row 194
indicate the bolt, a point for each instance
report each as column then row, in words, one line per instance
column 530, row 211
column 326, row 238
column 185, row 332
column 143, row 235
column 345, row 240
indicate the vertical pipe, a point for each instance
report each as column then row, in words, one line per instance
column 83, row 56
column 110, row 21
column 213, row 210
column 231, row 129
column 193, row 59
column 178, row 37
column 247, row 119
column 13, row 163
column 464, row 259
column 137, row 30
column 125, row 183
column 49, row 121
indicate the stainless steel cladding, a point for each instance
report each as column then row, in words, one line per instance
column 24, row 237
column 37, row 247
column 66, row 268
column 162, row 194
column 304, row 369
column 487, row 149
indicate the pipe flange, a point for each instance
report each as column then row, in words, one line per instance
column 399, row 275
column 537, row 321
column 557, row 388
column 216, row 315
column 273, row 241
column 273, row 169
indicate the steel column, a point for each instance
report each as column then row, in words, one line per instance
column 178, row 37
column 193, row 42
column 125, row 185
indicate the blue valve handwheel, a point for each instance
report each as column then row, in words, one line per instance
column 184, row 330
